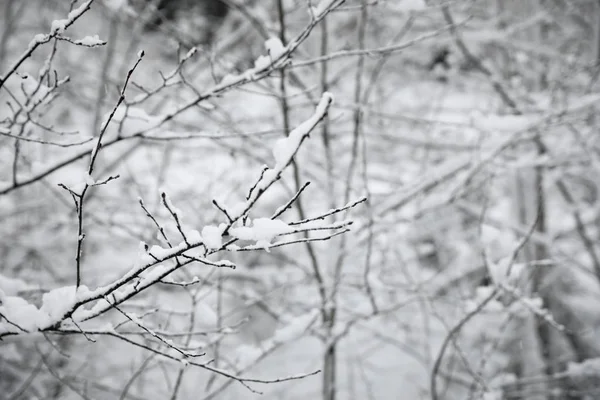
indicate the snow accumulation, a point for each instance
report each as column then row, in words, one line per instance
column 262, row 62
column 211, row 235
column 285, row 148
column 37, row 39
column 263, row 229
column 58, row 26
column 193, row 236
column 229, row 79
column 275, row 48
column 20, row 315
column 160, row 252
column 57, row 302
column 90, row 41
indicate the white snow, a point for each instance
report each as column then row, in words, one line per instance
column 268, row 177
column 79, row 10
column 91, row 41
column 37, row 39
column 237, row 210
column 159, row 252
column 261, row 63
column 18, row 311
column 58, row 26
column 233, row 247
column 275, row 48
column 230, row 79
column 211, row 235
column 58, row 301
column 28, row 317
column 191, row 52
column 262, row 230
column 285, row 148
column 193, row 236
column 225, row 264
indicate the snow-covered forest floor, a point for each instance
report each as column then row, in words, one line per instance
column 283, row 199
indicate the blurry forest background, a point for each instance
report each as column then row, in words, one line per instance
column 471, row 271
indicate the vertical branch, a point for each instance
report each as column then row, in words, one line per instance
column 529, row 199
column 597, row 33
column 105, row 68
column 217, row 347
column 188, row 340
column 15, row 161
column 285, row 111
column 326, row 313
column 357, row 115
column 370, row 223
column 371, row 83
column 330, row 366
column 357, row 129
column 9, row 19
column 80, row 197
column 325, row 123
column 533, row 360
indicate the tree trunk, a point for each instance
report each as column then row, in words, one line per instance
column 530, row 205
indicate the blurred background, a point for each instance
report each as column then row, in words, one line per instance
column 471, row 272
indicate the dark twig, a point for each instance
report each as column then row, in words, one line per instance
column 289, row 204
